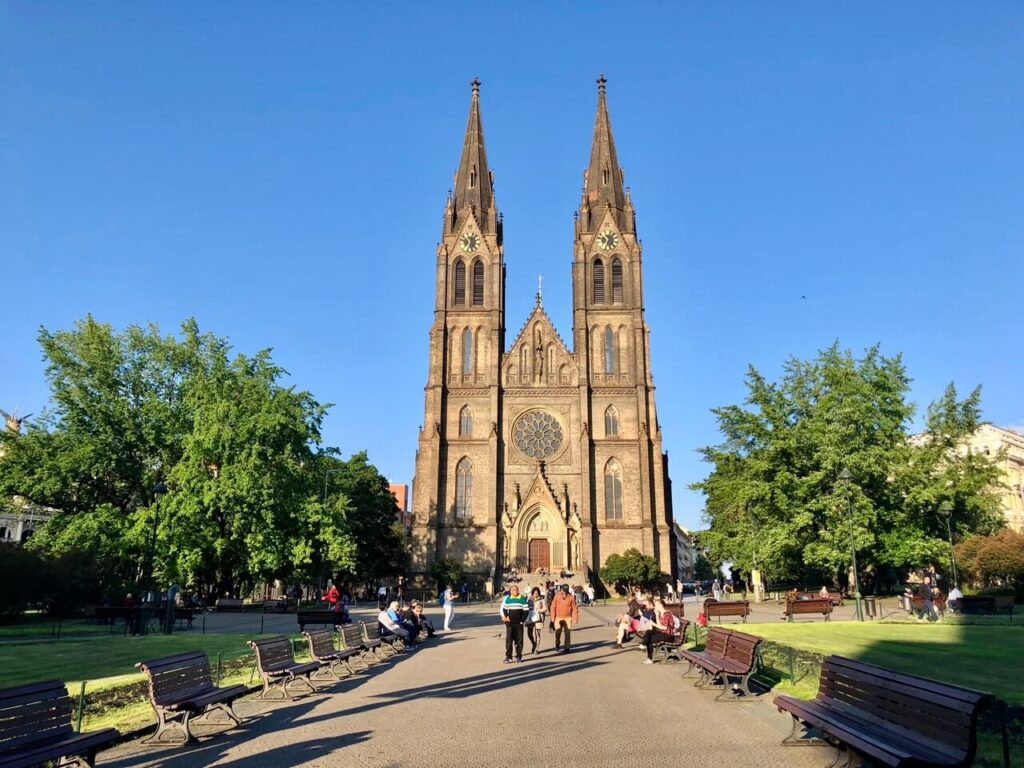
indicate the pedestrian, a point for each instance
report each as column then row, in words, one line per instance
column 401, row 590
column 448, row 599
column 382, row 597
column 535, row 619
column 564, row 614
column 333, row 596
column 514, row 610
column 716, row 590
column 926, row 593
column 549, row 597
column 464, row 592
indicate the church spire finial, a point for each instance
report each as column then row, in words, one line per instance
column 602, row 181
column 540, row 289
column 475, row 85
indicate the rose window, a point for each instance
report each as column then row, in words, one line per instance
column 538, row 435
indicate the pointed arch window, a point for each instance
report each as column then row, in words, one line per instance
column 609, row 350
column 472, row 178
column 460, row 282
column 466, row 422
column 463, row 489
column 598, row 281
column 616, row 280
column 611, row 422
column 612, row 490
column 478, row 283
column 467, row 350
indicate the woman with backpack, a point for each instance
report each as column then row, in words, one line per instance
column 535, row 618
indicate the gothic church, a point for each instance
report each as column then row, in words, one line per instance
column 533, row 454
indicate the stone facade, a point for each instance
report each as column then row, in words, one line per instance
column 989, row 440
column 534, row 453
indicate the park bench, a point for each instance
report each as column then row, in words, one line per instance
column 671, row 649
column 714, row 608
column 727, row 655
column 278, row 667
column 332, row 618
column 390, row 644
column 183, row 617
column 836, row 598
column 35, row 728
column 1004, row 603
column 111, row 614
column 275, row 606
column 351, row 639
column 229, row 604
column 820, row 605
column 321, row 649
column 938, row 602
column 181, row 687
column 889, row 718
column 986, row 604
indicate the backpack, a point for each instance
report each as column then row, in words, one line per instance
column 440, row 598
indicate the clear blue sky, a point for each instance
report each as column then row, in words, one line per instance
column 278, row 171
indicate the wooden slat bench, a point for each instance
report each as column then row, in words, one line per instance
column 1003, row 603
column 889, row 718
column 819, row 605
column 35, row 727
column 739, row 608
column 835, row 597
column 672, row 649
column 726, row 658
column 714, row 651
column 181, row 687
column 275, row 606
column 278, row 667
column 390, row 644
column 327, row 618
column 321, row 649
column 974, row 605
column 351, row 639
column 229, row 604
column 938, row 602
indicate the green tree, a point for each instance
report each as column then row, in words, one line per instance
column 236, row 449
column 446, row 571
column 630, row 569
column 774, row 498
column 378, row 544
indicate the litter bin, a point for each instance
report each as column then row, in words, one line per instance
column 870, row 608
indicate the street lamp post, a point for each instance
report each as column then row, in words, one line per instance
column 947, row 512
column 846, row 477
column 159, row 491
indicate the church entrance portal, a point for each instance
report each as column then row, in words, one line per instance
column 540, row 554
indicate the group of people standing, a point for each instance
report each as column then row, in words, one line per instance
column 557, row 608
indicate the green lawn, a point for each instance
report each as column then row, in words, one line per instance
column 985, row 658
column 93, row 660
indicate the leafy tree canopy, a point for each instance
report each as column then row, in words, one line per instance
column 631, row 569
column 774, row 496
column 238, row 452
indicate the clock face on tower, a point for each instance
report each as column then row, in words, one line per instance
column 607, row 239
column 469, row 242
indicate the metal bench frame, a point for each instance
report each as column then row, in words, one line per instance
column 181, row 687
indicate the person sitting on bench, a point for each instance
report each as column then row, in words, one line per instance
column 390, row 621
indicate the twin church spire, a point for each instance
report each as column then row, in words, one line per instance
column 603, row 183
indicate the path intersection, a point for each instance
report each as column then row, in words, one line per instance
column 453, row 703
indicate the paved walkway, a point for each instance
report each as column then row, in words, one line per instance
column 453, row 703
